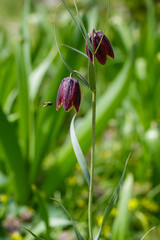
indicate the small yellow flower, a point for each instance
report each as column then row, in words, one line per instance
column 16, row 236
column 99, row 220
column 80, row 203
column 133, row 204
column 3, row 198
column 114, row 212
column 72, row 181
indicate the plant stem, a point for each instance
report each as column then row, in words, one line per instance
column 92, row 165
column 90, row 214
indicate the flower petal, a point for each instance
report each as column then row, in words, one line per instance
column 104, row 49
column 69, row 94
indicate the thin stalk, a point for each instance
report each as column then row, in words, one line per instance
column 92, row 164
column 90, row 214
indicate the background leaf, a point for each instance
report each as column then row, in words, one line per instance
column 112, row 202
column 120, row 225
column 78, row 152
column 79, row 237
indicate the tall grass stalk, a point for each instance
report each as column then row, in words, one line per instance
column 92, row 164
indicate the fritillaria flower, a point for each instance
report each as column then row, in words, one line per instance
column 69, row 94
column 104, row 49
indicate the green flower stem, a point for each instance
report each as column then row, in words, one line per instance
column 92, row 161
column 92, row 164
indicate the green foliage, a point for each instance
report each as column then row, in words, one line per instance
column 33, row 147
column 120, row 225
column 78, row 152
column 112, row 202
column 79, row 237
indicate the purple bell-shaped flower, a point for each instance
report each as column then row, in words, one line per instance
column 104, row 50
column 69, row 94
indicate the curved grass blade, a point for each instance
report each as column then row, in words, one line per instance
column 76, row 50
column 37, row 75
column 84, row 29
column 80, row 76
column 112, row 201
column 36, row 237
column 69, row 68
column 78, row 152
column 148, row 232
column 73, row 17
column 42, row 209
column 79, row 237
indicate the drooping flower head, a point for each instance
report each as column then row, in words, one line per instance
column 69, row 94
column 104, row 49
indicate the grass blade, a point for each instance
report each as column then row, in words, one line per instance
column 84, row 29
column 37, row 75
column 23, row 58
column 36, row 237
column 76, row 50
column 78, row 152
column 79, row 237
column 13, row 158
column 69, row 68
column 147, row 233
column 112, row 201
column 68, row 9
column 43, row 209
column 120, row 225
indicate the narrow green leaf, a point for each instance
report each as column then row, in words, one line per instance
column 73, row 17
column 120, row 225
column 13, row 158
column 91, row 75
column 84, row 29
column 80, row 76
column 37, row 74
column 112, row 201
column 147, row 233
column 36, row 237
column 69, row 68
column 23, row 58
column 78, row 152
column 43, row 209
column 25, row 37
column 79, row 237
column 76, row 50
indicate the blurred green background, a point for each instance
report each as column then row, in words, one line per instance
column 35, row 147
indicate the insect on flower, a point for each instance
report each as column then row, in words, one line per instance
column 46, row 104
column 104, row 49
column 69, row 94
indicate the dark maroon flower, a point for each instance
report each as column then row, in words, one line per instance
column 69, row 94
column 104, row 49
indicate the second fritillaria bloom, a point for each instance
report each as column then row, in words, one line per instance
column 69, row 94
column 104, row 49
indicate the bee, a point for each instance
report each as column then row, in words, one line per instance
column 46, row 104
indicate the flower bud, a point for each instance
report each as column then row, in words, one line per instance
column 69, row 94
column 104, row 49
